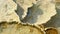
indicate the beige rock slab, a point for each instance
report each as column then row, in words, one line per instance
column 7, row 11
column 41, row 12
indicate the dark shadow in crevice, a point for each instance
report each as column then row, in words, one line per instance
column 19, row 11
column 32, row 15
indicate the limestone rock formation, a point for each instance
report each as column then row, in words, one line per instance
column 39, row 12
column 31, row 13
column 7, row 11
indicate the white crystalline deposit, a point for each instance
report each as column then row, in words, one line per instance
column 40, row 12
column 7, row 11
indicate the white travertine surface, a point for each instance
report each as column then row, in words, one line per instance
column 7, row 11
